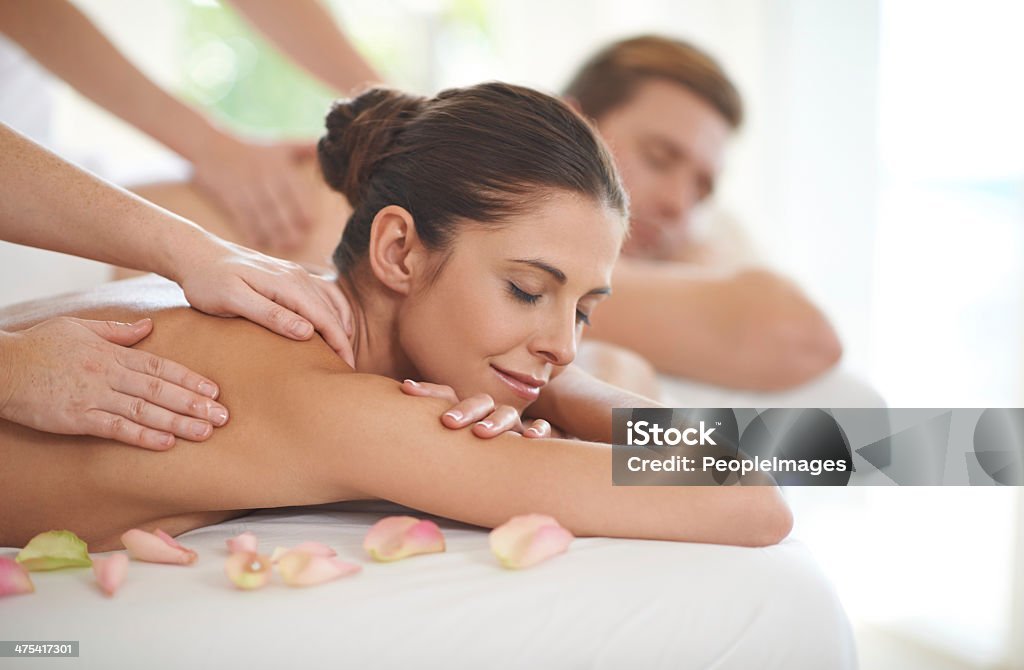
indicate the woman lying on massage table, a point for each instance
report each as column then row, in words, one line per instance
column 486, row 224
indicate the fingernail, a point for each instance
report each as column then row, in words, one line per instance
column 533, row 431
column 486, row 424
column 199, row 429
column 208, row 389
column 454, row 414
column 301, row 329
column 219, row 415
column 167, row 439
column 410, row 382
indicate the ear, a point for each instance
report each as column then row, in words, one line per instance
column 395, row 252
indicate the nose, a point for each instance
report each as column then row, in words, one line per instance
column 556, row 343
column 679, row 196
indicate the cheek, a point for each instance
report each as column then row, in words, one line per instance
column 451, row 333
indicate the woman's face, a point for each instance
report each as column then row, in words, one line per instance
column 507, row 310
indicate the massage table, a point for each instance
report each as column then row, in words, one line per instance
column 606, row 603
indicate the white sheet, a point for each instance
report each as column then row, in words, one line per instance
column 607, row 603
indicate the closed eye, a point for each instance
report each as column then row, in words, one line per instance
column 531, row 299
column 521, row 295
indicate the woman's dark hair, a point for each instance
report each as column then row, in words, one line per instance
column 482, row 153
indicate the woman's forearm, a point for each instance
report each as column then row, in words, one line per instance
column 48, row 203
column 581, row 404
column 66, row 43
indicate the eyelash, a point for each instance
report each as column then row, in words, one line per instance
column 531, row 299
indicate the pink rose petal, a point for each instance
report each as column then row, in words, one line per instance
column 243, row 542
column 396, row 537
column 110, row 572
column 311, row 548
column 14, row 578
column 528, row 539
column 156, row 547
column 248, row 570
column 301, row 569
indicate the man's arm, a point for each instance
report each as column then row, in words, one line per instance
column 307, row 32
column 747, row 329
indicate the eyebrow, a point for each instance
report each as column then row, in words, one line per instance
column 558, row 274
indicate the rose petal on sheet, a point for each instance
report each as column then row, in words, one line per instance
column 110, row 572
column 53, row 550
column 396, row 537
column 298, row 568
column 14, row 578
column 311, row 548
column 242, row 542
column 528, row 539
column 156, row 547
column 248, row 570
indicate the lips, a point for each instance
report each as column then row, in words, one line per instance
column 526, row 387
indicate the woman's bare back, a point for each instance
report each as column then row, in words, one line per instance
column 99, row 488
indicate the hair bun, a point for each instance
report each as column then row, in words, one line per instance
column 360, row 133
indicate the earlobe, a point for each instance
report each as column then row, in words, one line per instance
column 394, row 248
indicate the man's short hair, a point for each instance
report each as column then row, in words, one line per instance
column 612, row 75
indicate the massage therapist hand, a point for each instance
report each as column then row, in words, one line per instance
column 262, row 187
column 225, row 279
column 89, row 217
column 491, row 420
column 77, row 377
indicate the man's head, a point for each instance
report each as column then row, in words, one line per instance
column 666, row 110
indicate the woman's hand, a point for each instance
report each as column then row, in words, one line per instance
column 77, row 377
column 262, row 187
column 491, row 419
column 225, row 279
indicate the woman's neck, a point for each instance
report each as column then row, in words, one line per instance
column 375, row 341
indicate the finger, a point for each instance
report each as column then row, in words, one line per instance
column 473, row 408
column 428, row 390
column 257, row 219
column 171, row 397
column 125, row 334
column 247, row 221
column 155, row 366
column 539, row 428
column 331, row 291
column 249, row 302
column 503, row 419
column 280, row 216
column 114, row 427
column 146, row 414
column 321, row 310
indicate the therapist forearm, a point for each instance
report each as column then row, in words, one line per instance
column 48, row 203
column 66, row 43
column 307, row 32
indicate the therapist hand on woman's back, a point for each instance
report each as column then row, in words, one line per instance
column 79, row 377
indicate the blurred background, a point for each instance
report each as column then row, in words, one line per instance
column 881, row 167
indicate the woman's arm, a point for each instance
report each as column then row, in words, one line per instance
column 347, row 425
column 580, row 404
